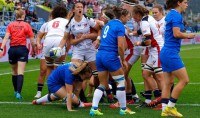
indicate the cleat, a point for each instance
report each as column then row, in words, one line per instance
column 130, row 101
column 15, row 93
column 155, row 102
column 38, row 95
column 18, row 96
column 95, row 112
column 34, row 102
column 127, row 111
column 142, row 105
column 172, row 111
column 115, row 105
column 164, row 113
column 87, row 104
column 110, row 99
column 158, row 107
column 136, row 99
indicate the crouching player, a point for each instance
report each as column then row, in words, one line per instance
column 62, row 81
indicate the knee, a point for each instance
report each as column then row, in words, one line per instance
column 185, row 82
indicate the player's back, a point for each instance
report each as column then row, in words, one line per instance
column 110, row 33
column 56, row 27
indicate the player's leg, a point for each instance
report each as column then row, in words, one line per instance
column 41, row 78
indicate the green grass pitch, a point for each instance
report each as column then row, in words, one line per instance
column 188, row 103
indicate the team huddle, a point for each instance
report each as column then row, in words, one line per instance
column 103, row 52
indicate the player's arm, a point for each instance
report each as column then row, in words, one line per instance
column 69, row 89
column 64, row 40
column 4, row 43
column 39, row 38
column 77, row 87
column 178, row 34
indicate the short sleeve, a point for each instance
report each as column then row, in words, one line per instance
column 177, row 20
column 30, row 31
column 121, row 30
column 91, row 22
column 145, row 27
column 68, row 28
column 43, row 28
column 8, row 28
column 69, row 79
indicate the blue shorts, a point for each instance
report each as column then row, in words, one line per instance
column 52, row 86
column 18, row 53
column 107, row 62
column 170, row 60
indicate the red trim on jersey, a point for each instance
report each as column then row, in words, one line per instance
column 153, row 41
column 18, row 32
column 130, row 46
column 146, row 51
column 129, row 43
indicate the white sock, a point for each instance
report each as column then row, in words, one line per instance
column 96, row 98
column 43, row 99
column 81, row 104
column 121, row 96
column 135, row 96
column 171, row 104
column 147, row 101
column 163, row 106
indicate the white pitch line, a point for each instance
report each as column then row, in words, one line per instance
column 39, row 69
column 186, row 49
column 24, row 71
column 27, row 103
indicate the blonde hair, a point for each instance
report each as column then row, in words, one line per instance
column 19, row 12
column 81, row 68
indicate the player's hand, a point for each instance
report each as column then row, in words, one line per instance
column 39, row 46
column 72, row 110
column 97, row 43
column 191, row 35
column 125, row 65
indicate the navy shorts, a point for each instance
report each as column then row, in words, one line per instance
column 18, row 53
column 170, row 60
column 107, row 62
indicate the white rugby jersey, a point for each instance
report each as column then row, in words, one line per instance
column 82, row 27
column 56, row 27
column 43, row 27
column 161, row 23
column 149, row 25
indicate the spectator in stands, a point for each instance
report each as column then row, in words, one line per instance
column 10, row 7
column 47, row 4
column 31, row 16
column 96, row 9
column 18, row 52
column 172, row 64
column 2, row 4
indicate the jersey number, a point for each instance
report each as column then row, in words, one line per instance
column 55, row 24
column 105, row 32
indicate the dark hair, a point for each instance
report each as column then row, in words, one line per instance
column 118, row 12
column 109, row 13
column 171, row 4
column 59, row 11
column 74, row 14
column 85, row 70
column 160, row 8
column 138, row 9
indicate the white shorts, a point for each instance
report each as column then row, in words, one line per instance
column 51, row 42
column 154, row 58
column 85, row 54
column 132, row 55
column 145, row 50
